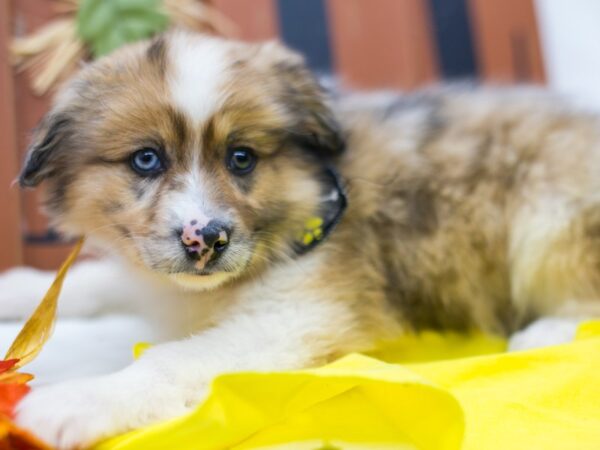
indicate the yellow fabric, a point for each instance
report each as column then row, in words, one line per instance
column 140, row 348
column 541, row 399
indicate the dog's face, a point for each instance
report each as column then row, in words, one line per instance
column 194, row 157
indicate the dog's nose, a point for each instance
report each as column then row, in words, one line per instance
column 204, row 241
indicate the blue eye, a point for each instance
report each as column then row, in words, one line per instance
column 241, row 160
column 147, row 162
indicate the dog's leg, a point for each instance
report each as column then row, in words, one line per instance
column 544, row 332
column 554, row 252
column 559, row 328
column 288, row 332
column 91, row 287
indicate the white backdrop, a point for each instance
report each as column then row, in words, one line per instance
column 570, row 34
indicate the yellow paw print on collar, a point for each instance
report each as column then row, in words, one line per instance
column 313, row 230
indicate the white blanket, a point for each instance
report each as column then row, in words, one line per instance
column 81, row 347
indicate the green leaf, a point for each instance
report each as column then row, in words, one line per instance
column 106, row 25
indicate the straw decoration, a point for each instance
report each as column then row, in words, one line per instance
column 53, row 53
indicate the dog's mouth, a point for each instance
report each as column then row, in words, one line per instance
column 197, row 272
column 167, row 259
column 204, row 273
column 200, row 281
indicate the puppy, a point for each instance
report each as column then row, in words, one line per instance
column 295, row 227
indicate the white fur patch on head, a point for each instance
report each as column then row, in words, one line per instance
column 198, row 71
column 194, row 200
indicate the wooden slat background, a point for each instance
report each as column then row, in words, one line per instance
column 10, row 223
column 370, row 44
column 383, row 43
column 507, row 40
column 29, row 15
column 256, row 19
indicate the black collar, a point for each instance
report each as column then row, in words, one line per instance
column 331, row 210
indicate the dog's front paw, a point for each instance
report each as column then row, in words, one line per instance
column 80, row 413
column 67, row 415
column 543, row 333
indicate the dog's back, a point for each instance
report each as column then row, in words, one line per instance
column 479, row 207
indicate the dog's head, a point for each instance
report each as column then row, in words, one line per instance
column 195, row 157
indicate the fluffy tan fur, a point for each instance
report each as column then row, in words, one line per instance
column 468, row 208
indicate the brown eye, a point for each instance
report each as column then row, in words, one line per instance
column 241, row 160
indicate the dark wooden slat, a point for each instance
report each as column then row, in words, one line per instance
column 256, row 19
column 383, row 43
column 453, row 38
column 11, row 253
column 28, row 16
column 507, row 41
column 47, row 256
column 304, row 27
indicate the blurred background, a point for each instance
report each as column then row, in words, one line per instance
column 367, row 44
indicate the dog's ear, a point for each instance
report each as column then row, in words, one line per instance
column 316, row 125
column 48, row 143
